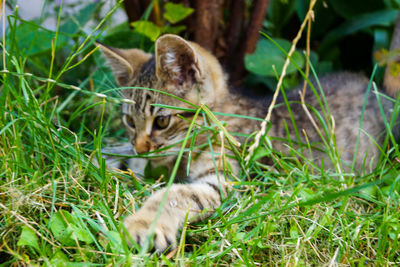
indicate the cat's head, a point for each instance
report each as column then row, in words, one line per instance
column 179, row 67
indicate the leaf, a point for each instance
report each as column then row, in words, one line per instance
column 147, row 28
column 59, row 259
column 115, row 242
column 112, row 240
column 147, row 170
column 76, row 22
column 66, row 228
column 160, row 171
column 155, row 173
column 370, row 191
column 239, row 236
column 176, row 12
column 349, row 9
column 268, row 56
column 60, row 229
column 279, row 13
column 33, row 40
column 381, row 38
column 174, row 29
column 294, row 231
column 324, row 17
column 28, row 238
column 263, row 152
column 357, row 23
column 81, row 234
column 321, row 67
column 123, row 36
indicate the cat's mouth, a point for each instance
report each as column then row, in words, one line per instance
column 149, row 149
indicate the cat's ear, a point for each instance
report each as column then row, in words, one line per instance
column 177, row 61
column 125, row 63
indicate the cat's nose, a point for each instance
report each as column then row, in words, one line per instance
column 143, row 144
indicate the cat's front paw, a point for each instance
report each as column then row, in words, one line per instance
column 165, row 232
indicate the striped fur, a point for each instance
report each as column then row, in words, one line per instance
column 186, row 70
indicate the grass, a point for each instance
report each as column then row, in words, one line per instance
column 56, row 208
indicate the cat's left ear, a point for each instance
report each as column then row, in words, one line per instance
column 177, row 61
column 125, row 63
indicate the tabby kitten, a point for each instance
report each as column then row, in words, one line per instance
column 188, row 71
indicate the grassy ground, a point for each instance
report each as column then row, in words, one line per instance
column 56, row 208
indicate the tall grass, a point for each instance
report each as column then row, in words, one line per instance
column 57, row 208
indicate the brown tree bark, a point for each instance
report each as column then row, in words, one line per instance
column 255, row 25
column 208, row 14
column 235, row 26
column 207, row 28
column 133, row 9
column 250, row 40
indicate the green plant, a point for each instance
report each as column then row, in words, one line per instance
column 58, row 106
column 344, row 35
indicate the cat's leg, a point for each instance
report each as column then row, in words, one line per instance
column 197, row 200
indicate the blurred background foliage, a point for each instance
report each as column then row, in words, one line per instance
column 346, row 35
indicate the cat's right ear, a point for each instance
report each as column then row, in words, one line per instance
column 177, row 61
column 125, row 63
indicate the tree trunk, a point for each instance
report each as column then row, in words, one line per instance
column 250, row 40
column 229, row 41
column 208, row 14
column 235, row 27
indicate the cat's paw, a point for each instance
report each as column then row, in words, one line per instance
column 164, row 237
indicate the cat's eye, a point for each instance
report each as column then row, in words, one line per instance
column 129, row 121
column 162, row 122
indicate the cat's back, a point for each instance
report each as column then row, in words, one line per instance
column 336, row 106
column 343, row 92
column 334, row 113
column 343, row 96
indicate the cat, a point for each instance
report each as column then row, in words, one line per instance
column 190, row 72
